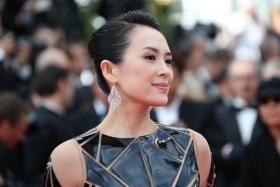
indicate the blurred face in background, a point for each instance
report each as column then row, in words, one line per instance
column 52, row 56
column 197, row 53
column 270, row 110
column 24, row 50
column 12, row 134
column 243, row 79
column 8, row 43
column 48, row 37
column 79, row 58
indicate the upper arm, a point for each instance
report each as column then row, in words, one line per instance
column 68, row 164
column 203, row 155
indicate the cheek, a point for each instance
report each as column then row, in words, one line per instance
column 277, row 112
column 136, row 83
column 270, row 115
column 263, row 113
column 136, row 76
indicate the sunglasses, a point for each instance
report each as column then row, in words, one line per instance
column 267, row 99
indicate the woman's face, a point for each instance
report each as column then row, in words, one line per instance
column 145, row 74
column 270, row 112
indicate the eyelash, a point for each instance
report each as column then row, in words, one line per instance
column 152, row 57
column 169, row 61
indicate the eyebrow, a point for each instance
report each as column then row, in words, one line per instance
column 156, row 50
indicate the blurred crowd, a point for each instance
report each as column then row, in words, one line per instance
column 228, row 89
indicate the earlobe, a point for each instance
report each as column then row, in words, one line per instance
column 107, row 68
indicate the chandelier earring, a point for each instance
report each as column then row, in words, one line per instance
column 114, row 97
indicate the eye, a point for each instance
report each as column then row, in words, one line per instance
column 169, row 61
column 150, row 57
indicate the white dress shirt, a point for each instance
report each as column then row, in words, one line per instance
column 169, row 114
column 246, row 119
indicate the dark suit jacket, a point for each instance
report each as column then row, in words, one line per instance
column 49, row 130
column 261, row 166
column 8, row 79
column 84, row 119
column 225, row 132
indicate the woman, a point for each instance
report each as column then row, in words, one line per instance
column 133, row 65
column 262, row 160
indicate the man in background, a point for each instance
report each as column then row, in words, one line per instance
column 13, row 124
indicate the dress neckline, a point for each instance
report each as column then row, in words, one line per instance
column 131, row 138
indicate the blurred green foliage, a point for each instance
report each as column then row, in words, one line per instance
column 155, row 7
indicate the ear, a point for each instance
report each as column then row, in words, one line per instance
column 108, row 70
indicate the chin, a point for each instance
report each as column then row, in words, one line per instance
column 161, row 102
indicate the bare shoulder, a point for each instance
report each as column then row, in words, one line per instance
column 68, row 164
column 200, row 142
column 203, row 155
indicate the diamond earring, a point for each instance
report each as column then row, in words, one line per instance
column 114, row 97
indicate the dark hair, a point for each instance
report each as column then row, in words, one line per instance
column 46, row 80
column 11, row 107
column 111, row 40
column 270, row 87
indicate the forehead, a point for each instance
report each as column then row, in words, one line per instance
column 143, row 36
column 242, row 68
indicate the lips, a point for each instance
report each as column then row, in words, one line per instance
column 161, row 86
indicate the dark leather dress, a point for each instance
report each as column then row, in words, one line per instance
column 164, row 158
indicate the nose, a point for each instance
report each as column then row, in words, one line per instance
column 165, row 70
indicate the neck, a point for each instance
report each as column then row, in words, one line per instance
column 54, row 103
column 127, row 121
